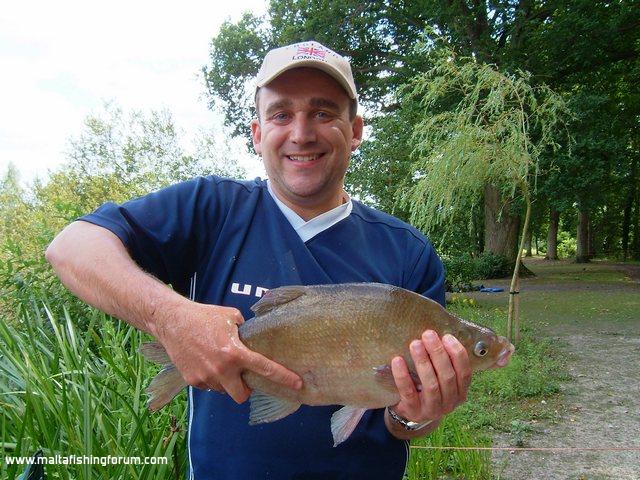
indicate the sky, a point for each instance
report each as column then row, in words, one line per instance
column 61, row 61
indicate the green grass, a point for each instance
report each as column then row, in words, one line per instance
column 81, row 393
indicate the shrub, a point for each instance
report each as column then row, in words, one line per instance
column 566, row 245
column 460, row 272
column 490, row 265
column 462, row 269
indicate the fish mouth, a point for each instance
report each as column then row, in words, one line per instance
column 505, row 355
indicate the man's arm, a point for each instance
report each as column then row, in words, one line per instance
column 201, row 340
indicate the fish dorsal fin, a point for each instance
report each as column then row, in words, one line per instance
column 276, row 297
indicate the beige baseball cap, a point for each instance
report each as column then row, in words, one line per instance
column 307, row 54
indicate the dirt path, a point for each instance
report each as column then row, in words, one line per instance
column 600, row 335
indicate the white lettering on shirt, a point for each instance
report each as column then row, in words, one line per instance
column 247, row 289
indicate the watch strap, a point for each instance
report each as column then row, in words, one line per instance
column 405, row 423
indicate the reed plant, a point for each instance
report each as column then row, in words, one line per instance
column 81, row 393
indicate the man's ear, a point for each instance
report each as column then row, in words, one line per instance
column 358, row 127
column 256, row 135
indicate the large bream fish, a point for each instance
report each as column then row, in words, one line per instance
column 340, row 339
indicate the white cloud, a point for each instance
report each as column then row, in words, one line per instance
column 61, row 60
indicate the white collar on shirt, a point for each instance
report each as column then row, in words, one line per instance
column 308, row 230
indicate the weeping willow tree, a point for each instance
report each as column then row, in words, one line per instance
column 477, row 127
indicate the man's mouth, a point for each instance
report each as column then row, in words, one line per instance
column 304, row 158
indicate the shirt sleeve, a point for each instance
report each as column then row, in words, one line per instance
column 159, row 229
column 428, row 275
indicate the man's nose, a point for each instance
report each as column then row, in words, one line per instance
column 302, row 131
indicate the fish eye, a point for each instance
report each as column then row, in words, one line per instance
column 480, row 350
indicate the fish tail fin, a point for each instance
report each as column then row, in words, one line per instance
column 164, row 387
column 155, row 352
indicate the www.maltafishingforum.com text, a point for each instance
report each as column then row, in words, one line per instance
column 86, row 460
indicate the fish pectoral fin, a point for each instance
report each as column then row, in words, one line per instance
column 384, row 376
column 277, row 296
column 267, row 408
column 155, row 352
column 344, row 422
column 164, row 387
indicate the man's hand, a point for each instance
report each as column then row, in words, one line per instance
column 203, row 343
column 444, row 371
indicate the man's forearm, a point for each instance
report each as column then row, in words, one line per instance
column 93, row 263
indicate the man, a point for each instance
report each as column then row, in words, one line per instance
column 223, row 243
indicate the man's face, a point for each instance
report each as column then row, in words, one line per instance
column 305, row 137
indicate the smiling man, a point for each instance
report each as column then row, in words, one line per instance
column 221, row 243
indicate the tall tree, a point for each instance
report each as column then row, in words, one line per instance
column 492, row 132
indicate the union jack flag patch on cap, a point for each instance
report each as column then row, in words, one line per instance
column 311, row 52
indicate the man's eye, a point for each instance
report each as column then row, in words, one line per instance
column 280, row 117
column 323, row 115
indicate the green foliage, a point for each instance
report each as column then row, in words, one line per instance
column 478, row 126
column 489, row 265
column 460, row 272
column 585, row 50
column 80, row 392
column 566, row 245
column 427, row 461
column 463, row 269
column 115, row 158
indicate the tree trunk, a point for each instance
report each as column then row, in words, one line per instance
column 591, row 242
column 636, row 228
column 513, row 316
column 628, row 207
column 500, row 227
column 478, row 231
column 527, row 243
column 552, row 236
column 582, row 239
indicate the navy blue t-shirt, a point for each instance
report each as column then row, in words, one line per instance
column 225, row 242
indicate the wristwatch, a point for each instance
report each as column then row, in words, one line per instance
column 407, row 424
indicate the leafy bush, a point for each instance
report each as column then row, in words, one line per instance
column 489, row 265
column 566, row 245
column 461, row 270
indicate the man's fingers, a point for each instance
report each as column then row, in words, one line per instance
column 405, row 384
column 237, row 389
column 431, row 395
column 460, row 361
column 443, row 368
column 275, row 372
